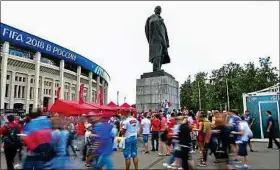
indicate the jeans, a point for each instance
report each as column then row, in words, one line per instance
column 272, row 137
column 193, row 145
column 32, row 162
column 105, row 161
column 10, row 154
column 155, row 137
column 70, row 144
column 171, row 159
column 80, row 142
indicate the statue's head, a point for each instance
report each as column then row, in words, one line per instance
column 157, row 10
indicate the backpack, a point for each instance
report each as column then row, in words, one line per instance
column 11, row 138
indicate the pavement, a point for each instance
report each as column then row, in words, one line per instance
column 262, row 158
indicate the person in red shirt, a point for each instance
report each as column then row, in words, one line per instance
column 81, row 130
column 171, row 123
column 10, row 143
column 155, row 132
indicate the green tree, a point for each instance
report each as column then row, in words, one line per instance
column 240, row 79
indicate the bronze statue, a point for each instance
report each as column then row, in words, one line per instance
column 157, row 36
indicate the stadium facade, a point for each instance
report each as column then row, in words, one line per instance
column 32, row 70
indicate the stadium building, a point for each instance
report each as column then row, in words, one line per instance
column 32, row 70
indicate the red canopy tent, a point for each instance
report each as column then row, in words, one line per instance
column 71, row 108
column 112, row 104
column 125, row 105
column 102, row 108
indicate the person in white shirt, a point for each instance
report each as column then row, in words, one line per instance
column 246, row 133
column 88, row 144
column 130, row 129
column 168, row 116
column 146, row 128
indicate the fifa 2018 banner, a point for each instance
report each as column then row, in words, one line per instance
column 24, row 39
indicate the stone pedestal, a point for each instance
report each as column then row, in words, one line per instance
column 155, row 87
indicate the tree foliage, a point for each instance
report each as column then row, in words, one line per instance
column 213, row 89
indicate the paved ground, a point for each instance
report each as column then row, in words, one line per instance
column 261, row 159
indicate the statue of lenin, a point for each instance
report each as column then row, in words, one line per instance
column 157, row 37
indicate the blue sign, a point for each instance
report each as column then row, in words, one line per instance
column 27, row 40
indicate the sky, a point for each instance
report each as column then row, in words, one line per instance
column 203, row 35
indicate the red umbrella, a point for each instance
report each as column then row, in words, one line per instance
column 70, row 108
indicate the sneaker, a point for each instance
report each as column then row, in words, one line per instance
column 146, row 152
column 192, row 151
column 17, row 166
column 202, row 164
column 160, row 154
column 180, row 168
column 87, row 165
column 241, row 166
column 169, row 167
column 165, row 165
column 173, row 164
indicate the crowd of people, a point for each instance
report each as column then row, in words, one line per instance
column 177, row 134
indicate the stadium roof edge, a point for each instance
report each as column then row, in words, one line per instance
column 23, row 38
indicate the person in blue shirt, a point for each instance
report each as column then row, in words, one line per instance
column 233, row 123
column 250, row 120
column 104, row 133
column 271, row 130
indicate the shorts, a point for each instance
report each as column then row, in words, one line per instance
column 233, row 141
column 145, row 138
column 242, row 149
column 185, row 153
column 177, row 154
column 130, row 149
column 249, row 141
column 163, row 136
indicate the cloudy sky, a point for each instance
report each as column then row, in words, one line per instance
column 203, row 35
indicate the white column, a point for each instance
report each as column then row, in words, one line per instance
column 27, row 93
column 17, row 87
column 4, row 64
column 61, row 79
column 53, row 92
column 37, row 58
column 42, row 91
column 89, row 98
column 97, row 88
column 13, row 80
column 70, row 91
column 78, row 82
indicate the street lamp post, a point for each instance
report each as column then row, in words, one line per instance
column 199, row 96
column 118, row 98
column 228, row 107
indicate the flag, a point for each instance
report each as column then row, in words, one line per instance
column 101, row 96
column 81, row 94
column 58, row 93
